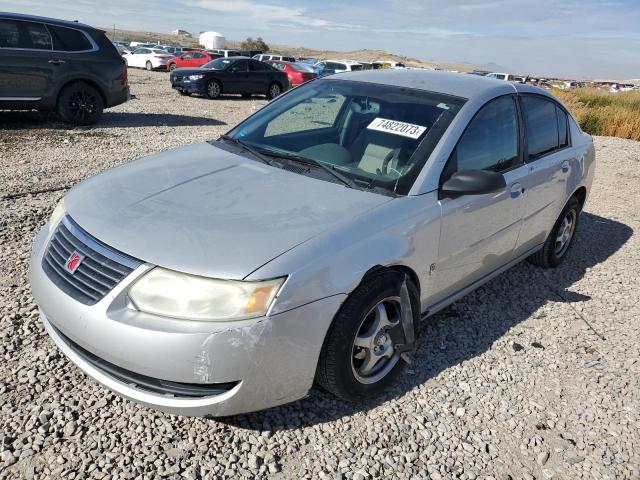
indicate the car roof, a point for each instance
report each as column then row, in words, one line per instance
column 53, row 21
column 450, row 83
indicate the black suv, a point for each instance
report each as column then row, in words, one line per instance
column 48, row 64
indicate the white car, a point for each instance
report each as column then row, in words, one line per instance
column 149, row 58
column 501, row 76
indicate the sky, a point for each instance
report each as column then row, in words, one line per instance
column 571, row 38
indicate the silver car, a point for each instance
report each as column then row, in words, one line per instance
column 305, row 245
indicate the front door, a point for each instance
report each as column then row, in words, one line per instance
column 479, row 232
column 239, row 78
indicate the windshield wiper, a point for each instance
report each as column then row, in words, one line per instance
column 310, row 161
column 246, row 147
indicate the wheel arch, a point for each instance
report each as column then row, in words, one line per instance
column 377, row 269
column 81, row 80
column 581, row 195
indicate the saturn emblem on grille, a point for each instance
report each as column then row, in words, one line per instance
column 73, row 262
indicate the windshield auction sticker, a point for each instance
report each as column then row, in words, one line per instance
column 397, row 128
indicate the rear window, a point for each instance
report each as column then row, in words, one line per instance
column 302, row 67
column 541, row 124
column 69, row 39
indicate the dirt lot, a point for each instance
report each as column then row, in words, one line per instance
column 509, row 383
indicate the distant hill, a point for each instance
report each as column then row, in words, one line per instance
column 364, row 55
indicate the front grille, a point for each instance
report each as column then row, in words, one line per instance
column 143, row 382
column 101, row 269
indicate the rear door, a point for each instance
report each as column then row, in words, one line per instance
column 550, row 160
column 259, row 76
column 479, row 232
column 26, row 68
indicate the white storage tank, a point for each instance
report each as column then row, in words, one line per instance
column 211, row 40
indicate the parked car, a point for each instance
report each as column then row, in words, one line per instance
column 49, row 64
column 174, row 50
column 191, row 59
column 298, row 73
column 379, row 64
column 307, row 243
column 500, row 76
column 149, row 58
column 263, row 57
column 329, row 67
column 230, row 75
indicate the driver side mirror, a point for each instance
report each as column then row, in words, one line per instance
column 472, row 182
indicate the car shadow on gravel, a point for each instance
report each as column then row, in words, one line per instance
column 31, row 119
column 467, row 328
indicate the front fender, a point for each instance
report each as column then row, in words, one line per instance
column 404, row 231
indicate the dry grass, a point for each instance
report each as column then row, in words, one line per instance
column 604, row 113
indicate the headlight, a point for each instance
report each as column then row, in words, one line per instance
column 196, row 77
column 57, row 215
column 179, row 295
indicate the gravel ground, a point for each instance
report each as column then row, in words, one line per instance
column 534, row 375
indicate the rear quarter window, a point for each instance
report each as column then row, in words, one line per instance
column 69, row 39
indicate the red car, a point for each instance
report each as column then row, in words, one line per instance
column 194, row 58
column 297, row 72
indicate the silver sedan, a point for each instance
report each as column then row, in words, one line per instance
column 306, row 244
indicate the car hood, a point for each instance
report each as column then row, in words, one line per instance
column 204, row 210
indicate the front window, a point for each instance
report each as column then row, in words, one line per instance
column 377, row 136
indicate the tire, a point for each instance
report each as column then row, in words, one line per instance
column 80, row 104
column 214, row 89
column 149, row 65
column 342, row 364
column 274, row 90
column 172, row 67
column 560, row 238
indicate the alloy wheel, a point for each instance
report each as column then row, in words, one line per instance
column 82, row 105
column 274, row 90
column 565, row 233
column 373, row 354
column 213, row 89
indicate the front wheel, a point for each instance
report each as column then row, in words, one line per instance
column 274, row 91
column 214, row 90
column 149, row 65
column 172, row 67
column 360, row 357
column 561, row 237
column 80, row 104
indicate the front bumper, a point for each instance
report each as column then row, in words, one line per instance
column 190, row 86
column 256, row 364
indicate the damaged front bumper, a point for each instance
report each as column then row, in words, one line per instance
column 184, row 367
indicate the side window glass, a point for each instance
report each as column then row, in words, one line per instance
column 9, row 34
column 239, row 67
column 69, row 39
column 255, row 66
column 541, row 125
column 37, row 36
column 563, row 136
column 490, row 141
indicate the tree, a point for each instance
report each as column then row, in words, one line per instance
column 257, row 44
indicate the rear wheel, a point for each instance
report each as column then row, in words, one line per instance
column 274, row 91
column 214, row 90
column 149, row 65
column 359, row 358
column 80, row 104
column 561, row 237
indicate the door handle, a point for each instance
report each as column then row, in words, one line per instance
column 56, row 61
column 516, row 190
column 565, row 166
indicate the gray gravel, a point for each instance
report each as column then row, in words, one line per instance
column 509, row 382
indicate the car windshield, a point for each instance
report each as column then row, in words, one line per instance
column 377, row 136
column 302, row 67
column 218, row 64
